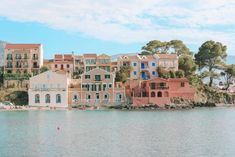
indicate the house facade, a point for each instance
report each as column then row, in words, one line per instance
column 144, row 67
column 23, row 58
column 96, row 87
column 63, row 62
column 158, row 91
column 48, row 89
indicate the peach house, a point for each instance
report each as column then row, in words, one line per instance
column 96, row 87
column 144, row 66
column 23, row 58
column 158, row 91
column 63, row 62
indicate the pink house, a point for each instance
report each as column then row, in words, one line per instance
column 158, row 91
column 96, row 87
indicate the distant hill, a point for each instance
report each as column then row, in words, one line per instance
column 2, row 43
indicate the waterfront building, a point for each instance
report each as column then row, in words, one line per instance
column 23, row 58
column 49, row 89
column 63, row 62
column 158, row 90
column 144, row 67
column 96, row 87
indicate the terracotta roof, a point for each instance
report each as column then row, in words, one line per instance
column 103, row 56
column 22, row 46
column 167, row 56
column 91, row 55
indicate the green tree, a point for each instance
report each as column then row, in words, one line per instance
column 187, row 64
column 77, row 73
column 229, row 74
column 44, row 69
column 179, row 74
column 210, row 57
column 123, row 74
column 156, row 46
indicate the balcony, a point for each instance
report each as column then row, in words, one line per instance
column 35, row 67
column 35, row 58
column 18, row 58
column 18, row 66
column 9, row 66
column 9, row 58
column 162, row 87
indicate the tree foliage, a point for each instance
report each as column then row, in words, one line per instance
column 77, row 73
column 187, row 64
column 44, row 69
column 173, row 46
column 123, row 74
column 169, row 74
column 229, row 74
column 211, row 57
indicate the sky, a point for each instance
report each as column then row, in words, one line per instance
column 116, row 26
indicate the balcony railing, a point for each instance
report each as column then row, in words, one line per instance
column 48, row 89
column 18, row 66
column 9, row 58
column 35, row 58
column 9, row 66
column 162, row 87
column 35, row 66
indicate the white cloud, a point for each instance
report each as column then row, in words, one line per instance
column 129, row 21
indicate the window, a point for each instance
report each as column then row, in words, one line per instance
column 182, row 84
column 135, row 73
column 107, row 76
column 153, row 73
column 87, row 76
column 58, row 98
column 104, row 87
column 56, row 66
column 134, row 64
column 48, row 98
column 153, row 64
column 110, row 85
column 97, row 78
column 106, row 96
column 159, row 94
column 37, row 98
column 75, row 98
column 118, row 97
column 152, row 94
column 67, row 65
column 152, row 85
column 61, row 66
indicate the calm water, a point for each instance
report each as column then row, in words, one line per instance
column 199, row 132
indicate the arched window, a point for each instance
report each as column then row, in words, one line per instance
column 118, row 97
column 37, row 98
column 166, row 94
column 88, row 97
column 152, row 94
column 159, row 94
column 75, row 98
column 58, row 98
column 48, row 98
column 106, row 97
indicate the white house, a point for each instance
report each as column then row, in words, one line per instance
column 48, row 89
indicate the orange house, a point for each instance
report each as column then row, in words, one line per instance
column 158, row 91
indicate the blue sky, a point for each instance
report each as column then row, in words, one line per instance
column 113, row 27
